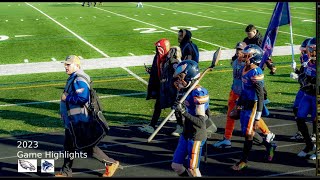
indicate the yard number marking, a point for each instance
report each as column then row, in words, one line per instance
column 175, row 28
column 3, row 37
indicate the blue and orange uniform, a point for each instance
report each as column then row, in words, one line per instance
column 194, row 133
column 251, row 101
column 252, row 82
column 234, row 95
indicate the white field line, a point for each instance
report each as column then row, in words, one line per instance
column 308, row 20
column 243, row 9
column 136, row 76
column 159, row 27
column 89, row 44
column 22, row 36
column 92, row 46
column 203, row 49
column 287, row 173
column 295, row 7
column 218, row 19
column 55, row 101
column 117, row 62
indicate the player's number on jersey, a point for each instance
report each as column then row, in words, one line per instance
column 3, row 37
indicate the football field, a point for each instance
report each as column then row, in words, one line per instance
column 42, row 32
column 115, row 39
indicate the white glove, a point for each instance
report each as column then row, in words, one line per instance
column 293, row 75
column 305, row 64
column 294, row 65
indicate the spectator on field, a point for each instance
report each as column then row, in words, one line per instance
column 189, row 50
column 74, row 100
column 160, row 85
column 254, row 37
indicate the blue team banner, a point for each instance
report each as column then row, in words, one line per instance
column 280, row 16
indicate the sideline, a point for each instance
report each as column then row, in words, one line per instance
column 118, row 62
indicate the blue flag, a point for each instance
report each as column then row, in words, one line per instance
column 280, row 16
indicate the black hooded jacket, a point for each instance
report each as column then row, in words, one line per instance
column 257, row 39
column 188, row 47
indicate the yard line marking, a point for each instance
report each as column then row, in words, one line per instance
column 136, row 76
column 22, row 35
column 290, row 6
column 95, row 48
column 61, row 84
column 80, row 57
column 83, row 40
column 279, row 125
column 53, row 59
column 240, row 9
column 26, row 60
column 55, row 101
column 159, row 27
column 218, row 19
column 308, row 20
column 202, row 49
column 131, row 54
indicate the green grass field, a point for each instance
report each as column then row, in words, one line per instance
column 118, row 29
column 30, row 103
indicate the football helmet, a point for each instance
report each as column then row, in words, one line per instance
column 303, row 46
column 312, row 49
column 253, row 53
column 186, row 72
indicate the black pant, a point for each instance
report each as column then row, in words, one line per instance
column 157, row 113
column 94, row 152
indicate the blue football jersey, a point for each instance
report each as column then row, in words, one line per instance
column 237, row 73
column 310, row 70
column 197, row 102
column 249, row 78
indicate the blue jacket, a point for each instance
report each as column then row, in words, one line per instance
column 73, row 109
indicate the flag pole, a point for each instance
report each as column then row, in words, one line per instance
column 291, row 37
